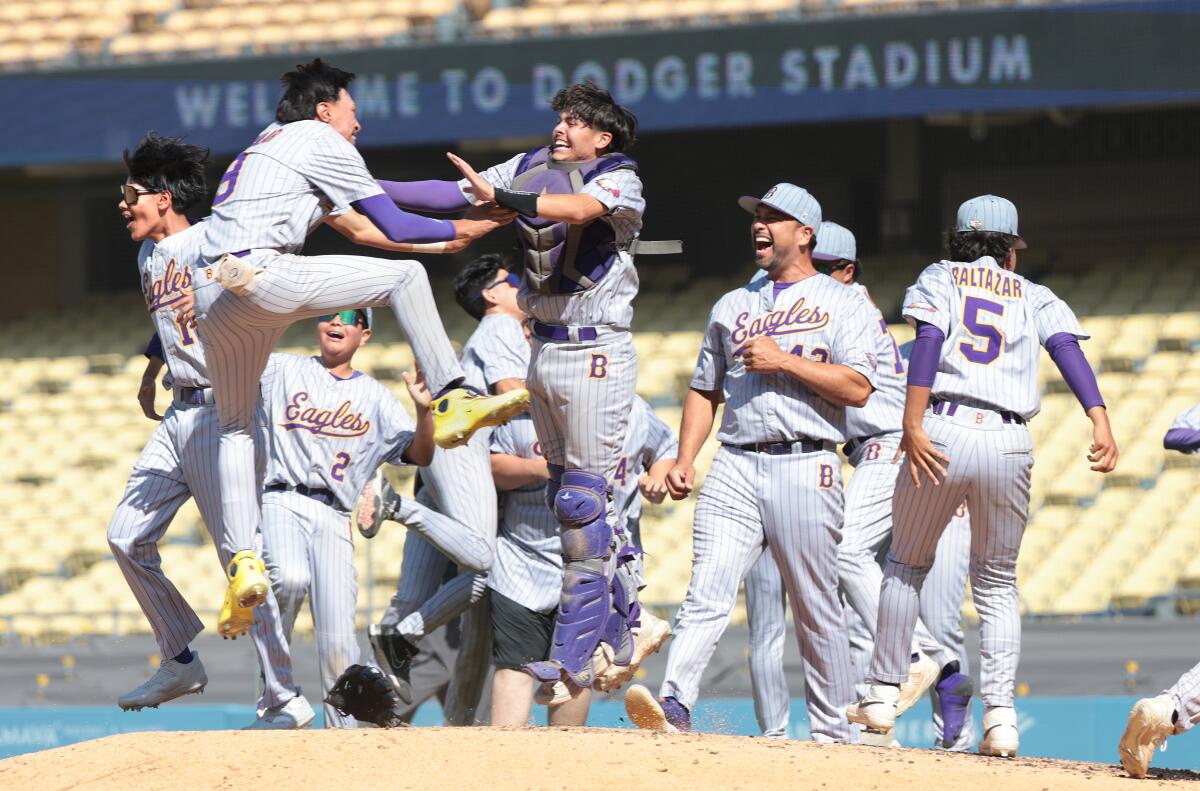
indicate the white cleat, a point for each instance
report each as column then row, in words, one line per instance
column 172, row 680
column 922, row 674
column 877, row 710
column 1000, row 735
column 1151, row 721
column 293, row 715
column 645, row 711
column 873, row 739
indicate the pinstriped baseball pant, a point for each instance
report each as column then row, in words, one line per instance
column 1187, row 699
column 766, row 612
column 309, row 551
column 180, row 461
column 792, row 506
column 941, row 608
column 240, row 332
column 990, row 466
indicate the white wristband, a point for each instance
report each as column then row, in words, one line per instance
column 432, row 247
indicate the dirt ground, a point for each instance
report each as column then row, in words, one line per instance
column 501, row 759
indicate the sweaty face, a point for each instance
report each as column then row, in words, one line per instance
column 574, row 141
column 339, row 341
column 776, row 236
column 342, row 115
column 143, row 216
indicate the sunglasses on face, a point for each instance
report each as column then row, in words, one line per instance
column 132, row 193
column 512, row 280
column 348, row 317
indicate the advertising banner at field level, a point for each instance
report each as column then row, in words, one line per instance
column 784, row 72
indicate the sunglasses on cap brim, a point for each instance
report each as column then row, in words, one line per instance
column 348, row 317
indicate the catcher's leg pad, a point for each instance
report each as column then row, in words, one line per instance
column 553, row 483
column 625, row 615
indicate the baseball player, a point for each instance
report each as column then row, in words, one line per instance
column 786, row 354
column 458, row 483
column 972, row 385
column 166, row 178
column 580, row 205
column 328, row 428
column 300, row 171
column 1177, row 709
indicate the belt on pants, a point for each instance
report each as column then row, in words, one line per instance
column 802, row 445
column 949, row 408
column 852, row 445
column 558, row 332
column 194, row 396
column 323, row 496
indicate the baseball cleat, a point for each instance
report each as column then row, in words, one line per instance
column 650, row 714
column 877, row 709
column 648, row 638
column 247, row 579
column 873, row 739
column 1151, row 721
column 394, row 655
column 377, row 503
column 551, row 694
column 922, row 674
column 459, row 414
column 1000, row 735
column 171, row 680
column 953, row 698
column 290, row 716
column 234, row 620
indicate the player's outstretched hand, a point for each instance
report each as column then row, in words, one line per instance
column 185, row 311
column 922, row 457
column 418, row 389
column 680, row 481
column 1103, row 451
column 653, row 489
column 145, row 396
column 482, row 190
column 763, row 356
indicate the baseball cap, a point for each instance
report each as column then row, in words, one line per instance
column 989, row 213
column 835, row 243
column 795, row 202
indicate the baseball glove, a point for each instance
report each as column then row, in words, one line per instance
column 364, row 693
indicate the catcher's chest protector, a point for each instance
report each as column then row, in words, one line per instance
column 561, row 258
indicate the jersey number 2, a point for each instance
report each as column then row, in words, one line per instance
column 989, row 334
column 340, row 463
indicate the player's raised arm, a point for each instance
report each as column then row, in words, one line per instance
column 360, row 230
column 420, row 450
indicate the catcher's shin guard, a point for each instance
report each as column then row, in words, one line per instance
column 586, row 604
column 626, row 614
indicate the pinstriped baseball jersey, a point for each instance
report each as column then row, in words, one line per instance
column 496, row 350
column 166, row 270
column 818, row 318
column 528, row 566
column 648, row 440
column 329, row 433
column 611, row 301
column 277, row 190
column 1190, row 418
column 994, row 322
column 884, row 411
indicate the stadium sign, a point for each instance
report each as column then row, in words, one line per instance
column 799, row 71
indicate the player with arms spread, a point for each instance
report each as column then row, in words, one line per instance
column 580, row 206
column 299, row 172
column 972, row 385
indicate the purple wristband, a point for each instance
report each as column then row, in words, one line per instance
column 402, row 227
column 1073, row 365
column 1184, row 440
column 439, row 197
column 926, row 351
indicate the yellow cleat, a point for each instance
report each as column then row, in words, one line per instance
column 234, row 621
column 458, row 414
column 247, row 579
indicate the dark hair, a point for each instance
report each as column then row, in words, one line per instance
column 473, row 278
column 167, row 164
column 596, row 107
column 973, row 245
column 306, row 87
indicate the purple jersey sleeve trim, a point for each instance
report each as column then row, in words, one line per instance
column 926, row 351
column 1184, row 440
column 1073, row 365
column 402, row 227
column 155, row 348
column 441, row 197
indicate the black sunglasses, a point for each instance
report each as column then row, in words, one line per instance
column 132, row 193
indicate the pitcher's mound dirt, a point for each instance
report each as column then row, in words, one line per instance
column 501, row 759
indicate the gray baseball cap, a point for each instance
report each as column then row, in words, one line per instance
column 795, row 202
column 835, row 243
column 989, row 213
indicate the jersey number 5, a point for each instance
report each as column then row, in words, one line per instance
column 988, row 340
